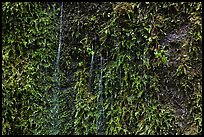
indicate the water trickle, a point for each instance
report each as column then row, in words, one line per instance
column 55, row 122
column 58, row 53
column 100, row 121
column 120, row 76
column 91, row 69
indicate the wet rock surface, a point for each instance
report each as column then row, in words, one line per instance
column 171, row 92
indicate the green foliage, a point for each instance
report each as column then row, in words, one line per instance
column 151, row 73
column 28, row 52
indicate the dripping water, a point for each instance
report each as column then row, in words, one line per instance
column 100, row 121
column 120, row 76
column 58, row 53
column 120, row 70
column 55, row 122
column 78, row 17
column 91, row 69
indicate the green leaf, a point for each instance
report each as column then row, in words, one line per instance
column 164, row 59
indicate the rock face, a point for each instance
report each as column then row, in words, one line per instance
column 176, row 35
column 171, row 92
